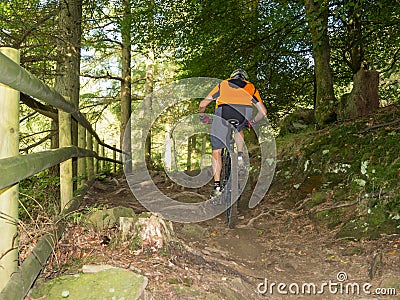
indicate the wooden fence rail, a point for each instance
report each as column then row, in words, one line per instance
column 21, row 167
column 15, row 282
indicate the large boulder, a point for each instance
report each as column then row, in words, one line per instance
column 297, row 121
column 114, row 283
column 106, row 218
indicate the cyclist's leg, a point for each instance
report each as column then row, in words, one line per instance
column 219, row 131
column 246, row 111
column 217, row 164
column 239, row 140
column 218, row 142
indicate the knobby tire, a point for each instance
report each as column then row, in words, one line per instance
column 231, row 209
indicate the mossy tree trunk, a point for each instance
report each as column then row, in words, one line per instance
column 355, row 39
column 317, row 16
column 363, row 98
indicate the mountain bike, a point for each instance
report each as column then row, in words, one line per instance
column 230, row 177
column 230, row 184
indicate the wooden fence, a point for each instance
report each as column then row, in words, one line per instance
column 15, row 281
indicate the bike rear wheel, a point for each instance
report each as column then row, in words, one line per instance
column 231, row 214
column 229, row 177
column 234, row 197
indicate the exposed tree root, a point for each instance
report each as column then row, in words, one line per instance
column 379, row 126
column 347, row 204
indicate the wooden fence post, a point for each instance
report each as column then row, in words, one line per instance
column 90, row 160
column 81, row 160
column 96, row 161
column 9, row 142
column 114, row 158
column 102, row 162
column 65, row 136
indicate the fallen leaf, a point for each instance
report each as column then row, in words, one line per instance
column 345, row 262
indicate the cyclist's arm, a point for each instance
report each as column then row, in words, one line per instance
column 262, row 111
column 212, row 96
column 258, row 103
column 203, row 104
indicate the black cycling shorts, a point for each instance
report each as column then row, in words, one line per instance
column 220, row 130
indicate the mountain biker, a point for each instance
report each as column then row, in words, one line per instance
column 235, row 98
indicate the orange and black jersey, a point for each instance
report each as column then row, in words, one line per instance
column 235, row 91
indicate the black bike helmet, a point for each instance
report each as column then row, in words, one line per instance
column 239, row 73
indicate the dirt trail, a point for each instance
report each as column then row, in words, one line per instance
column 270, row 245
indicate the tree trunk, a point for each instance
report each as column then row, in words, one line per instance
column 149, row 87
column 363, row 98
column 203, row 152
column 317, row 16
column 68, row 65
column 194, row 144
column 168, row 148
column 356, row 48
column 126, row 98
column 190, row 151
column 174, row 155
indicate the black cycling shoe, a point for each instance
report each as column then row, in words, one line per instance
column 215, row 196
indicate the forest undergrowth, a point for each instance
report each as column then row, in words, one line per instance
column 333, row 206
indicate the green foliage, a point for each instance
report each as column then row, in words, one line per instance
column 34, row 129
column 29, row 26
column 271, row 40
column 267, row 38
column 39, row 195
column 79, row 217
column 377, row 43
